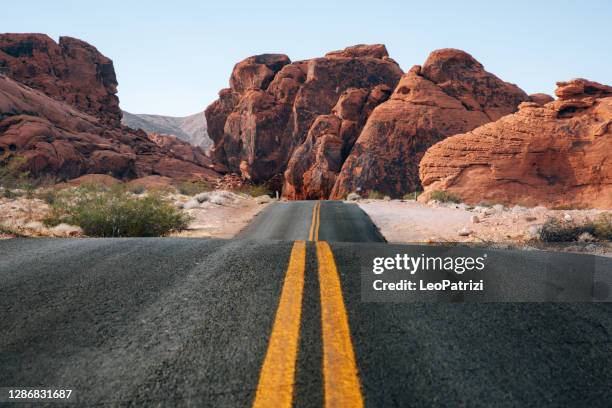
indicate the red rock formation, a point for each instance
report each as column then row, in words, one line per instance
column 55, row 138
column 451, row 93
column 556, row 154
column 315, row 164
column 271, row 104
column 71, row 71
column 541, row 98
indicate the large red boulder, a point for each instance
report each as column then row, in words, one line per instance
column 555, row 155
column 71, row 71
column 267, row 112
column 312, row 170
column 451, row 93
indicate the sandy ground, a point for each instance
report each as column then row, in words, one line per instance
column 220, row 214
column 409, row 221
column 222, row 221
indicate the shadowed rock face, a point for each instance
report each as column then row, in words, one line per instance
column 451, row 93
column 71, row 71
column 271, row 104
column 555, row 154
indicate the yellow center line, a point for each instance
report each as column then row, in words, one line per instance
column 314, row 223
column 341, row 380
column 277, row 376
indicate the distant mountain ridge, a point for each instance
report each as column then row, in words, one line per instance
column 191, row 129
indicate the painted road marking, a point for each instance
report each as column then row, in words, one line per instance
column 314, row 223
column 277, row 377
column 341, row 380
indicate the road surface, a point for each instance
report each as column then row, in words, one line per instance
column 263, row 318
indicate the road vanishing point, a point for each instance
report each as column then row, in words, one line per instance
column 275, row 318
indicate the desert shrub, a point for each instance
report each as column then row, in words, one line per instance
column 555, row 230
column 116, row 213
column 194, row 187
column 444, row 197
column 4, row 230
column 375, row 195
column 255, row 190
column 412, row 196
column 602, row 227
column 9, row 193
column 11, row 176
column 137, row 189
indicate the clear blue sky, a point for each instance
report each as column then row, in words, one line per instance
column 172, row 57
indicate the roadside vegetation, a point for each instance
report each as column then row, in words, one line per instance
column 555, row 230
column 192, row 188
column 115, row 212
column 444, row 197
column 375, row 195
column 16, row 183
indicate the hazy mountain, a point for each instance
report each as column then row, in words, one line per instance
column 189, row 128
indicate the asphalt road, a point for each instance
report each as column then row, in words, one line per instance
column 188, row 322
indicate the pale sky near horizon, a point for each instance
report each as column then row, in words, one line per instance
column 172, row 58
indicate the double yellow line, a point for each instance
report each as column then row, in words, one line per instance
column 340, row 376
column 314, row 223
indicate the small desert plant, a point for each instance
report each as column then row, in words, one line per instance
column 192, row 188
column 4, row 230
column 11, row 176
column 555, row 230
column 412, row 196
column 115, row 213
column 255, row 190
column 602, row 227
column 375, row 195
column 137, row 189
column 444, row 197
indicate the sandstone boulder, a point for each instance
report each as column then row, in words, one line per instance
column 451, row 93
column 556, row 154
column 271, row 104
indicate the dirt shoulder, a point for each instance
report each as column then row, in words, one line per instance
column 217, row 214
column 409, row 221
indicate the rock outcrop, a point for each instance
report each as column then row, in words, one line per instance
column 557, row 154
column 451, row 93
column 273, row 104
column 315, row 164
column 71, row 71
column 50, row 137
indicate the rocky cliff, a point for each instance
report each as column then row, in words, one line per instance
column 59, row 114
column 71, row 71
column 557, row 154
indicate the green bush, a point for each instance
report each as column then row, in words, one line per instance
column 192, row 188
column 444, row 197
column 116, row 213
